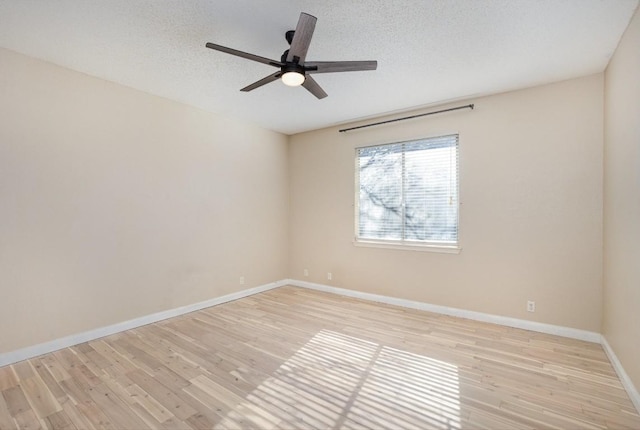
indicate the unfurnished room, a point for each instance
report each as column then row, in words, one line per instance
column 293, row 214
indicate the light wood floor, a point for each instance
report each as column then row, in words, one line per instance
column 292, row 358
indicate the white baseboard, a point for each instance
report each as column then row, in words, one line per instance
column 54, row 345
column 573, row 333
column 626, row 381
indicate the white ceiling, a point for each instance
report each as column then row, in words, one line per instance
column 428, row 51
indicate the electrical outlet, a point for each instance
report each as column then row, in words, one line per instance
column 531, row 306
column 306, row 272
column 329, row 276
column 241, row 280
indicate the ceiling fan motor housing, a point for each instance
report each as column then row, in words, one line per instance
column 292, row 67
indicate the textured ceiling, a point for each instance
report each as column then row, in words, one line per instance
column 428, row 51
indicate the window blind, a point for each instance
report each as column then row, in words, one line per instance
column 407, row 192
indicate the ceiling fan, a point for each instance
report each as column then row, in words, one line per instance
column 294, row 70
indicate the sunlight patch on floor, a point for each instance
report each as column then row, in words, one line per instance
column 336, row 380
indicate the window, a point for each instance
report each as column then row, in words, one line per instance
column 407, row 193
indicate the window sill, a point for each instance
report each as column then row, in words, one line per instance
column 443, row 249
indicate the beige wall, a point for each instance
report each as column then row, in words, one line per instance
column 531, row 215
column 115, row 204
column 622, row 202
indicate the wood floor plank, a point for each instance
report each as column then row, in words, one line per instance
column 54, row 367
column 86, row 407
column 163, row 395
column 6, row 420
column 8, row 378
column 296, row 358
column 80, row 421
column 42, row 401
column 16, row 401
column 159, row 413
column 59, row 421
column 50, row 382
column 115, row 408
column 27, row 420
column 23, row 369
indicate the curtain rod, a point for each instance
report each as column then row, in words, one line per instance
column 407, row 117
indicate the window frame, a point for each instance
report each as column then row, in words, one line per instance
column 403, row 244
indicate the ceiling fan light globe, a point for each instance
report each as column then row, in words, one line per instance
column 292, row 79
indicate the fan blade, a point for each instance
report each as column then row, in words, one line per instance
column 313, row 87
column 302, row 38
column 339, row 66
column 262, row 82
column 246, row 55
